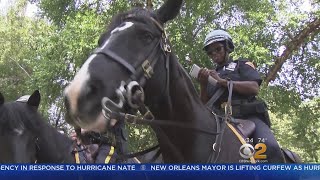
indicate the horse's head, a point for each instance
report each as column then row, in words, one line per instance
column 131, row 52
column 18, row 143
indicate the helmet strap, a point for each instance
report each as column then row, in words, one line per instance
column 226, row 52
column 226, row 45
column 226, row 56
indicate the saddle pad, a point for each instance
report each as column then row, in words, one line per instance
column 252, row 160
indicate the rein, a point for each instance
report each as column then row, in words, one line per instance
column 148, row 119
column 36, row 143
column 140, row 153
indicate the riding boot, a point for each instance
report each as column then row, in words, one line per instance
column 85, row 153
column 106, row 154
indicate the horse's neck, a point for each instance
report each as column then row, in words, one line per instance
column 187, row 109
column 54, row 147
column 186, row 104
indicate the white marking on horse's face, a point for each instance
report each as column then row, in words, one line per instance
column 124, row 27
column 73, row 90
column 18, row 131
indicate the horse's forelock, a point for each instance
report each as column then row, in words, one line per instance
column 136, row 12
column 11, row 117
column 18, row 115
column 121, row 17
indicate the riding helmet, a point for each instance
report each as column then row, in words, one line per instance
column 218, row 36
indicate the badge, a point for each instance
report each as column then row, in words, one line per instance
column 250, row 64
column 231, row 66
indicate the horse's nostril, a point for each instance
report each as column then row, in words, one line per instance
column 91, row 90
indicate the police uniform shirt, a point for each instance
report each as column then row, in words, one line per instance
column 238, row 70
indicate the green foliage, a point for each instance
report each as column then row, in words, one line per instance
column 61, row 51
column 307, row 128
column 141, row 137
column 16, row 50
column 58, row 10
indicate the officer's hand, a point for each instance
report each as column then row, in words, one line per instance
column 221, row 81
column 74, row 137
column 203, row 76
column 215, row 75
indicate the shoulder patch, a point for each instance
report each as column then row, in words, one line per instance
column 250, row 64
column 231, row 66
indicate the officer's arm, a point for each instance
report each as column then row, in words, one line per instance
column 249, row 88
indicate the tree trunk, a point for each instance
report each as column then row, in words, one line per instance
column 149, row 4
column 296, row 42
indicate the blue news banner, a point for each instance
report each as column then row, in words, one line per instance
column 160, row 171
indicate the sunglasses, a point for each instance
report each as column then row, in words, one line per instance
column 211, row 50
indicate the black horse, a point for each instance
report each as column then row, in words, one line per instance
column 27, row 138
column 134, row 52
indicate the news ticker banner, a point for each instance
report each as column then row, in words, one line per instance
column 161, row 171
column 163, row 167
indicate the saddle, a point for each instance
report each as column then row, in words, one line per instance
column 245, row 127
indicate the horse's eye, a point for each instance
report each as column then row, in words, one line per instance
column 147, row 37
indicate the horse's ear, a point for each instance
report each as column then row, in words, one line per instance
column 169, row 10
column 34, row 99
column 1, row 99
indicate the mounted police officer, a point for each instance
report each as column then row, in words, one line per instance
column 102, row 148
column 246, row 81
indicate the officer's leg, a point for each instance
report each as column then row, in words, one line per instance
column 264, row 135
column 107, row 154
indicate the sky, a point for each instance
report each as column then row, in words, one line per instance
column 5, row 4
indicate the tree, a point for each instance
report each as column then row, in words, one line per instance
column 16, row 51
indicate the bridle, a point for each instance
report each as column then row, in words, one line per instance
column 131, row 91
column 36, row 143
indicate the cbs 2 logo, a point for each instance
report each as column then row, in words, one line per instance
column 257, row 152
